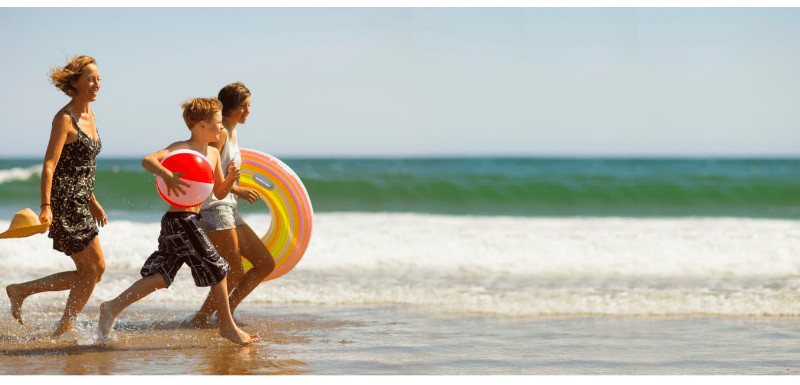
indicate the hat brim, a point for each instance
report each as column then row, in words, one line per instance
column 25, row 231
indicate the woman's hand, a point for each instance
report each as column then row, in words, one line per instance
column 98, row 214
column 46, row 215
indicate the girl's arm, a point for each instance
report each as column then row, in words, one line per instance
column 222, row 187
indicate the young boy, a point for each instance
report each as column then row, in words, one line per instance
column 181, row 239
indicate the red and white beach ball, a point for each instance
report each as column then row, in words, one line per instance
column 198, row 173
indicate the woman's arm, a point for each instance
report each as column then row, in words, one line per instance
column 58, row 136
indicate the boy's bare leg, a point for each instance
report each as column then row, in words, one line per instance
column 226, row 244
column 140, row 289
column 227, row 327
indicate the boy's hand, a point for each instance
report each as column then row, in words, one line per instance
column 174, row 184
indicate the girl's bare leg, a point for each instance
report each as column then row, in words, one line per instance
column 263, row 264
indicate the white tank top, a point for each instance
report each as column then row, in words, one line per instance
column 230, row 152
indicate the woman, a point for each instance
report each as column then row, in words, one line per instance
column 67, row 198
column 220, row 218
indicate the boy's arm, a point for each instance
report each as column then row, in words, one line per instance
column 152, row 163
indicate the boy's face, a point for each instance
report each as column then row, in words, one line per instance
column 213, row 127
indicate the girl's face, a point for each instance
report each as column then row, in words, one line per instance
column 239, row 114
column 88, row 84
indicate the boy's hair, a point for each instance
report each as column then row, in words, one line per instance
column 62, row 77
column 199, row 109
column 232, row 96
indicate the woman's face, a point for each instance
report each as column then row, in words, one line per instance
column 88, row 84
column 239, row 114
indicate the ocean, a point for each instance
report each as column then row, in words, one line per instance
column 461, row 266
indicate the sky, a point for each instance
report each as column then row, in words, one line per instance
column 410, row 81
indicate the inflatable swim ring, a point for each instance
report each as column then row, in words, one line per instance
column 289, row 206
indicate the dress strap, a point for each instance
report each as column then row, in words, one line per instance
column 71, row 117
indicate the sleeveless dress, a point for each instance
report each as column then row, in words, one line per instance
column 73, row 182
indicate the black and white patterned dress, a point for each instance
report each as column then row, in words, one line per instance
column 73, row 182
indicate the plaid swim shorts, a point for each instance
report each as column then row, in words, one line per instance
column 183, row 241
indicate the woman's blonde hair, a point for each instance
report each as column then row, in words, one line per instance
column 62, row 77
column 199, row 109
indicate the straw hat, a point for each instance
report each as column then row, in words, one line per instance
column 24, row 224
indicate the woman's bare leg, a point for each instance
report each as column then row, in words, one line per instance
column 90, row 265
column 56, row 282
column 81, row 282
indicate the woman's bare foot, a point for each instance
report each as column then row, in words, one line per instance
column 106, row 321
column 238, row 336
column 16, row 300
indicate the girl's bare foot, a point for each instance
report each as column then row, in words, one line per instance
column 16, row 302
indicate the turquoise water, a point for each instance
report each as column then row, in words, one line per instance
column 529, row 187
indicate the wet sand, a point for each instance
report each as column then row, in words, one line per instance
column 392, row 340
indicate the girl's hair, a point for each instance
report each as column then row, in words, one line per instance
column 232, row 96
column 199, row 109
column 62, row 77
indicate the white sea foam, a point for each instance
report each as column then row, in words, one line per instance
column 19, row 173
column 496, row 265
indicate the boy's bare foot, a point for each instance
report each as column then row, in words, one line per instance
column 16, row 302
column 238, row 336
column 106, row 321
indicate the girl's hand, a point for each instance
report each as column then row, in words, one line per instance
column 98, row 214
column 247, row 193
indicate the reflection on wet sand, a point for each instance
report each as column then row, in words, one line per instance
column 148, row 342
